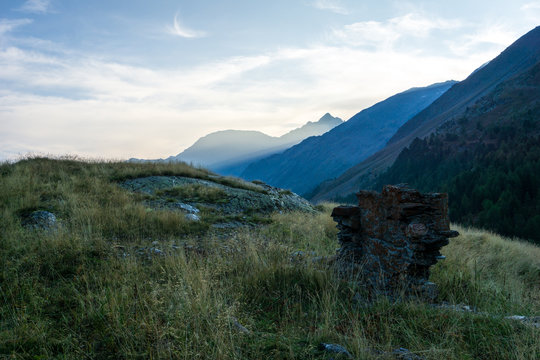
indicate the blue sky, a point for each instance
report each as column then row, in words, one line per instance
column 120, row 79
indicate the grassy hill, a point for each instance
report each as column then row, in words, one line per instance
column 95, row 287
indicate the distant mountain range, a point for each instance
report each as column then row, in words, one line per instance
column 478, row 140
column 452, row 105
column 302, row 167
column 228, row 152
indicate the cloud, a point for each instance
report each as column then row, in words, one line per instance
column 384, row 34
column 531, row 6
column 8, row 25
column 490, row 35
column 180, row 30
column 331, row 5
column 35, row 6
column 74, row 102
column 531, row 11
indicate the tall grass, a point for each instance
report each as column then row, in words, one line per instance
column 490, row 272
column 72, row 294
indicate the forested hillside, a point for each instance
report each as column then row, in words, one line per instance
column 488, row 160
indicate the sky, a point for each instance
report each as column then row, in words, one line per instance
column 117, row 79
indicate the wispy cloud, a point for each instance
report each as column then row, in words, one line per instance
column 331, row 5
column 66, row 102
column 486, row 35
column 531, row 11
column 531, row 6
column 384, row 34
column 35, row 6
column 181, row 30
column 8, row 25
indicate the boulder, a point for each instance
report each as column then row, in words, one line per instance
column 40, row 220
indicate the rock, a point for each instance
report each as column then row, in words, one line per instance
column 239, row 326
column 40, row 220
column 398, row 354
column 533, row 321
column 456, row 307
column 156, row 251
column 389, row 241
column 404, row 354
column 227, row 225
column 301, row 256
column 193, row 217
column 335, row 348
column 241, row 197
column 187, row 207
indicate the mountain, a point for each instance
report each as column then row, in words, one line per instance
column 315, row 159
column 229, row 152
column 515, row 60
column 488, row 160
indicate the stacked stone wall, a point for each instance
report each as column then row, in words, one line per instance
column 391, row 239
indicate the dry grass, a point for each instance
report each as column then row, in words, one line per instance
column 72, row 294
column 493, row 272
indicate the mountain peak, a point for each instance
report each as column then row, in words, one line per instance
column 302, row 167
column 327, row 117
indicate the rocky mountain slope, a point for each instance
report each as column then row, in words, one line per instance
column 229, row 152
column 515, row 60
column 316, row 159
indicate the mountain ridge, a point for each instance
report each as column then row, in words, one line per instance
column 303, row 166
column 522, row 54
column 228, row 152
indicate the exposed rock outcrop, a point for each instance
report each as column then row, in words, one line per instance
column 226, row 202
column 40, row 220
column 389, row 241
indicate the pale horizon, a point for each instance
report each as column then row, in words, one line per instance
column 116, row 81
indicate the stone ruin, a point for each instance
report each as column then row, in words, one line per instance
column 390, row 240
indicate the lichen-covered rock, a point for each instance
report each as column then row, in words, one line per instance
column 193, row 217
column 40, row 220
column 255, row 198
column 389, row 241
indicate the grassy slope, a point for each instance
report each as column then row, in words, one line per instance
column 70, row 295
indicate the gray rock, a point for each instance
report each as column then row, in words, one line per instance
column 187, row 207
column 40, row 220
column 335, row 348
column 456, row 307
column 533, row 321
column 398, row 354
column 239, row 326
column 193, row 217
column 262, row 199
column 227, row 225
column 404, row 354
column 156, row 251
